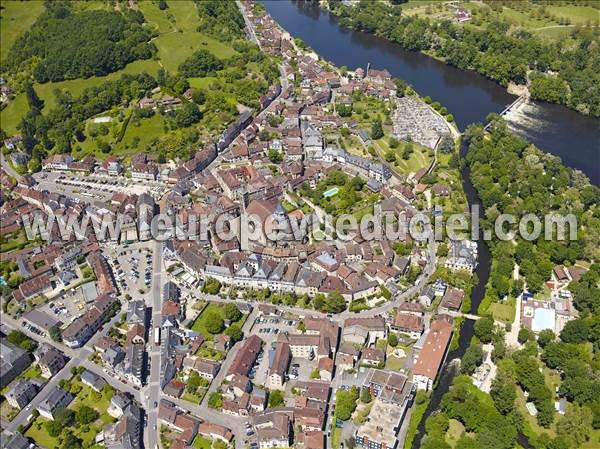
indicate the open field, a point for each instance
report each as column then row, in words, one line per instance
column 503, row 312
column 11, row 115
column 179, row 39
column 454, row 432
column 201, row 83
column 202, row 443
column 420, row 157
column 16, row 19
column 531, row 421
column 174, row 48
column 577, row 14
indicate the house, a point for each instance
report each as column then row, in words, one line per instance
column 55, row 399
column 136, row 312
column 136, row 335
column 273, row 429
column 21, row 393
column 12, row 142
column 314, row 439
column 113, row 356
column 80, row 330
column 380, row 430
column 245, row 357
column 364, row 330
column 414, row 308
column 127, row 432
column 452, row 300
column 372, row 356
column 132, row 366
column 51, row 362
column 279, row 367
column 440, row 189
column 215, row 431
column 408, row 323
column 92, row 380
column 206, row 368
column 174, row 388
column 427, row 296
column 325, row 368
column 103, row 343
column 222, row 342
column 345, row 362
column 463, row 256
column 258, row 400
column 15, row 441
column 240, row 385
column 118, row 404
column 237, row 406
column 13, row 361
column 432, row 356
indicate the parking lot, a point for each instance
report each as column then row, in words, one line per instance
column 97, row 187
column 66, row 307
column 132, row 269
column 269, row 328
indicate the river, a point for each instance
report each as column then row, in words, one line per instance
column 469, row 96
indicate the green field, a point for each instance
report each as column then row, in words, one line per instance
column 503, row 312
column 555, row 32
column 454, row 432
column 575, row 13
column 16, row 18
column 40, row 436
column 179, row 40
column 176, row 42
column 202, row 443
column 11, row 115
column 148, row 129
column 336, row 437
column 420, row 157
column 174, row 48
column 394, row 363
column 138, row 135
column 201, row 83
column 200, row 323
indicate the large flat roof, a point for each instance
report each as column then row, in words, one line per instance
column 543, row 319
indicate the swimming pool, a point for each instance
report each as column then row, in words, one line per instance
column 331, row 192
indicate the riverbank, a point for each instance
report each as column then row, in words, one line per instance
column 469, row 96
column 502, row 64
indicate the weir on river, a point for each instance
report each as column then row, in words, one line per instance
column 469, row 96
column 512, row 107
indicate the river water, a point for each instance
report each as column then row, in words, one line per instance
column 469, row 96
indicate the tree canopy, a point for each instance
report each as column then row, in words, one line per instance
column 561, row 72
column 66, row 45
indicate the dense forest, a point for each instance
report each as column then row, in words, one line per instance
column 221, row 19
column 559, row 73
column 511, row 176
column 63, row 44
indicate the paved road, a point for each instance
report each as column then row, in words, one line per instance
column 235, row 423
column 249, row 26
column 154, row 382
column 7, row 168
column 78, row 357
